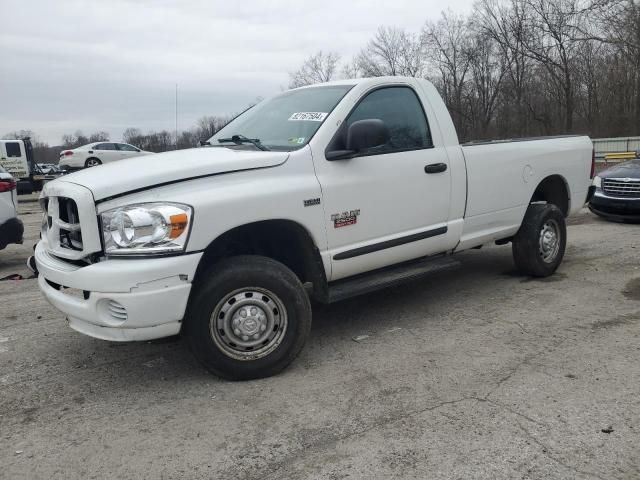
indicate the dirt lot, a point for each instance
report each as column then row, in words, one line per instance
column 474, row 373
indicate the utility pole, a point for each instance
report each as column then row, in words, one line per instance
column 176, row 116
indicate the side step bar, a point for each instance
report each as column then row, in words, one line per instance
column 389, row 276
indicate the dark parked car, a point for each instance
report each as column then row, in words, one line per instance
column 617, row 195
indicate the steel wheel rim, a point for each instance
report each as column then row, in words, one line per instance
column 549, row 241
column 248, row 323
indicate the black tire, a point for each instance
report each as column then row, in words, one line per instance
column 92, row 162
column 531, row 254
column 219, row 289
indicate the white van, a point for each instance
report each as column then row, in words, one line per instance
column 16, row 157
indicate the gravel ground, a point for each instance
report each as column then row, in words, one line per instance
column 475, row 372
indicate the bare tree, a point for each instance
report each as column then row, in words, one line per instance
column 448, row 43
column 487, row 68
column 589, row 89
column 351, row 69
column 20, row 134
column 132, row 136
column 77, row 139
column 74, row 140
column 208, row 126
column 188, row 139
column 318, row 68
column 101, row 136
column 556, row 32
column 392, row 51
column 506, row 24
column 621, row 27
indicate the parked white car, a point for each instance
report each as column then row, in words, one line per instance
column 11, row 228
column 96, row 154
column 322, row 192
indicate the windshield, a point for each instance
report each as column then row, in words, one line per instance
column 285, row 122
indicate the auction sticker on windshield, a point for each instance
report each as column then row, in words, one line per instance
column 308, row 116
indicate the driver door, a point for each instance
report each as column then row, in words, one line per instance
column 383, row 207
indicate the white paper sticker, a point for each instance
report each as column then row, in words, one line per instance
column 308, row 116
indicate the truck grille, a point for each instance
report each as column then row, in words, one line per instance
column 63, row 223
column 70, row 225
column 70, row 231
column 621, row 187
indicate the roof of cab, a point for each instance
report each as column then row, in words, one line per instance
column 362, row 81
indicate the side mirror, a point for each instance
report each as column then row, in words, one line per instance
column 362, row 135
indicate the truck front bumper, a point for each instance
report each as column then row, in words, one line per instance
column 119, row 300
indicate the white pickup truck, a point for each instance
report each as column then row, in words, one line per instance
column 321, row 192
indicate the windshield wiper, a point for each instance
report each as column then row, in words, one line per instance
column 240, row 139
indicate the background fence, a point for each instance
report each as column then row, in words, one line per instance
column 603, row 146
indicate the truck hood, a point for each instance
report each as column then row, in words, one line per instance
column 123, row 176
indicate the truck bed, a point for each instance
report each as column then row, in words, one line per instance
column 502, row 177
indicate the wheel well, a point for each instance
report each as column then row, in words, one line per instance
column 282, row 240
column 553, row 189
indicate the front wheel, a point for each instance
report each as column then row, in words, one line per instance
column 249, row 318
column 539, row 245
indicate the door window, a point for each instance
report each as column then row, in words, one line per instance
column 105, row 146
column 13, row 149
column 401, row 111
column 127, row 148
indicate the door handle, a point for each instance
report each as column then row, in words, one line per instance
column 435, row 168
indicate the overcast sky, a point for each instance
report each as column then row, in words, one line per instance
column 112, row 64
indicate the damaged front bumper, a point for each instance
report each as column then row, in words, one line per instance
column 119, row 299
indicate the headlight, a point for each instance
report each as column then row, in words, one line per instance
column 597, row 182
column 146, row 228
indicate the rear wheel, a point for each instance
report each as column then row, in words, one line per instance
column 92, row 162
column 538, row 247
column 249, row 318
